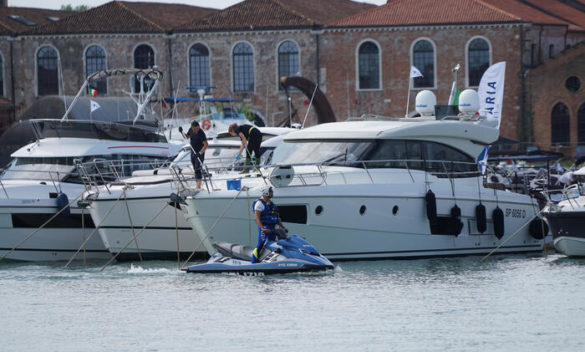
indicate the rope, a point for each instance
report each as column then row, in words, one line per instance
column 132, row 225
column 40, row 227
column 130, row 241
column 177, row 234
column 214, row 224
column 83, row 235
column 511, row 236
column 94, row 231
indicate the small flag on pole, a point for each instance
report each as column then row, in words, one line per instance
column 414, row 72
column 94, row 105
column 93, row 92
column 482, row 159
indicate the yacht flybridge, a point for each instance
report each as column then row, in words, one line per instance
column 377, row 188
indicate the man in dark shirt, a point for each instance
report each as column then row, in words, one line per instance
column 198, row 141
column 251, row 138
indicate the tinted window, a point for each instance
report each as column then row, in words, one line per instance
column 444, row 159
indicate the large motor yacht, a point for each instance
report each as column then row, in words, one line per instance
column 377, row 188
column 150, row 227
column 40, row 218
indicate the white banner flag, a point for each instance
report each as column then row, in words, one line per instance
column 94, row 105
column 491, row 91
column 414, row 72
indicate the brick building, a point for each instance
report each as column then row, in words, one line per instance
column 359, row 54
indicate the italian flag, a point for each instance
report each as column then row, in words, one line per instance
column 93, row 92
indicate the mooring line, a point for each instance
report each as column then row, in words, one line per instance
column 214, row 224
column 41, row 227
column 130, row 241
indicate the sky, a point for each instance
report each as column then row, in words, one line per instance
column 56, row 4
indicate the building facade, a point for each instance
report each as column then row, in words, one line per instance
column 359, row 54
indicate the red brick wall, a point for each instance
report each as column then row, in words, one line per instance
column 546, row 87
column 339, row 58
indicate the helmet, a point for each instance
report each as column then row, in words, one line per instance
column 266, row 191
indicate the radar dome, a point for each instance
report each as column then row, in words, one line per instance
column 469, row 101
column 425, row 103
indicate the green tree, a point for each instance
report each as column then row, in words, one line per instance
column 70, row 7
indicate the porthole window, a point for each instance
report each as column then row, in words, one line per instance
column 395, row 210
column 318, row 210
column 362, row 210
column 573, row 84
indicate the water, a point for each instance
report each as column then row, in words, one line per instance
column 508, row 303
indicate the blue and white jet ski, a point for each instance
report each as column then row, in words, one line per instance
column 289, row 255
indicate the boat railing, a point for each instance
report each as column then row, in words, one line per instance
column 316, row 174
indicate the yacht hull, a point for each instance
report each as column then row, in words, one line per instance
column 366, row 223
column 149, row 228
column 58, row 240
column 568, row 229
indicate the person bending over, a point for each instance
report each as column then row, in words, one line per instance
column 251, row 138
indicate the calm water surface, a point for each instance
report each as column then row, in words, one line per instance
column 508, row 303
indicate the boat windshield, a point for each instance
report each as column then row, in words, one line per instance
column 64, row 168
column 317, row 152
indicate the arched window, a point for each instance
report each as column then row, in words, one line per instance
column 95, row 61
column 47, row 71
column 199, row 66
column 423, row 58
column 143, row 58
column 369, row 66
column 478, row 60
column 560, row 125
column 1, row 76
column 288, row 60
column 581, row 125
column 243, row 63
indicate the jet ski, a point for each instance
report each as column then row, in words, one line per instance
column 290, row 254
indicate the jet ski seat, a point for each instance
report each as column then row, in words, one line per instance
column 236, row 251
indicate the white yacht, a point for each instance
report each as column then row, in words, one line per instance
column 379, row 188
column 150, row 227
column 42, row 178
column 567, row 219
column 40, row 218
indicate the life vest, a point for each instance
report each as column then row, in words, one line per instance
column 268, row 216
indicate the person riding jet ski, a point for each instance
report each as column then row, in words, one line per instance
column 266, row 218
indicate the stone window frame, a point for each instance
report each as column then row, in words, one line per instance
column 490, row 55
column 567, row 123
column 189, row 68
column 37, row 68
column 100, row 92
column 2, row 75
column 233, row 69
column 357, row 66
column 278, row 45
column 154, row 55
column 414, row 42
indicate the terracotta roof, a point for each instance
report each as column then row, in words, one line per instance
column 125, row 17
column 264, row 14
column 20, row 15
column 421, row 12
column 560, row 10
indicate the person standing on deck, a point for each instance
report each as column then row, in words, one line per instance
column 251, row 138
column 266, row 218
column 198, row 141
